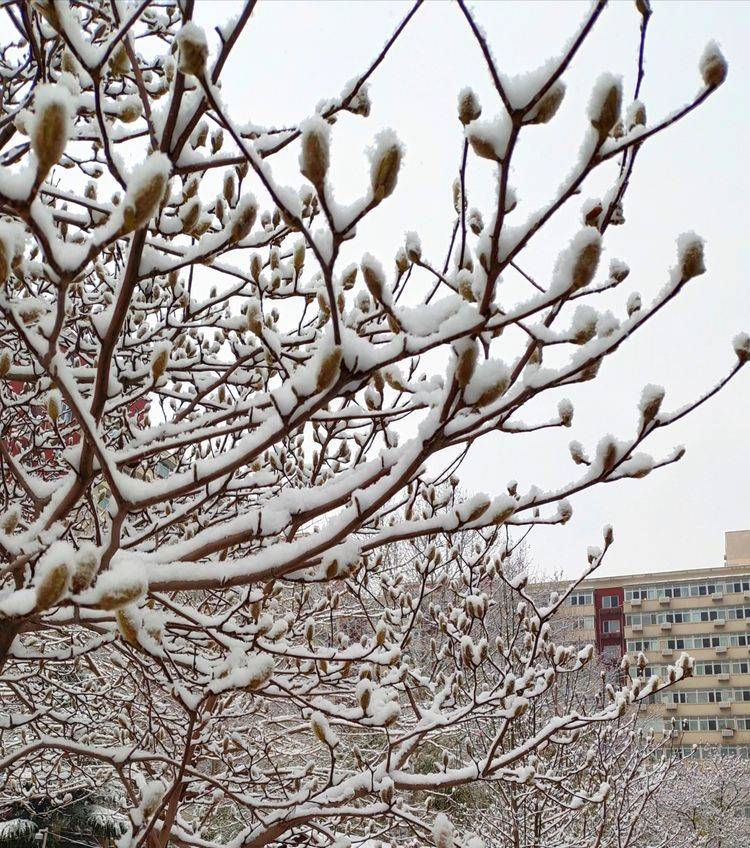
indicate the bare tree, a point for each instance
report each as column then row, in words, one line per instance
column 706, row 802
column 212, row 433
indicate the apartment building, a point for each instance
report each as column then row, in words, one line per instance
column 705, row 612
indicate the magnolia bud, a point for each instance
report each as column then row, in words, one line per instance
column 634, row 303
column 476, row 223
column 349, row 277
column 546, row 108
column 328, row 370
column 51, row 126
column 442, row 830
column 243, row 218
column 85, row 569
column 256, row 266
column 636, row 115
column 144, row 197
column 467, row 362
column 120, row 595
column 260, row 673
column 386, row 792
column 586, row 260
column 466, row 285
column 315, row 156
column 193, row 50
column 385, row 163
column 606, row 102
column 651, row 400
column 492, row 392
column 565, row 411
column 741, row 343
column 713, row 66
column 374, row 277
column 52, row 586
column 190, row 213
column 469, row 108
column 54, row 403
column 299, row 255
column 129, row 623
column 364, row 694
column 160, row 359
column 9, row 520
column 564, row 511
column 6, row 256
column 413, row 247
column 690, row 256
column 5, row 363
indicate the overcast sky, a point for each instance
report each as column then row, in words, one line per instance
column 692, row 177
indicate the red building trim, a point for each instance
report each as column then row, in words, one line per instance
column 604, row 614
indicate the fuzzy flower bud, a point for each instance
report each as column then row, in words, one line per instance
column 586, row 250
column 713, row 66
column 243, row 218
column 191, row 40
column 54, row 405
column 546, row 108
column 741, row 343
column 5, row 363
column 328, row 369
column 466, row 364
column 374, row 276
column 145, row 192
column 314, row 158
column 690, row 256
column 85, row 568
column 469, row 108
column 52, row 585
column 129, row 623
column 51, row 125
column 650, row 403
column 605, row 105
column 385, row 162
column 442, row 832
column 160, row 359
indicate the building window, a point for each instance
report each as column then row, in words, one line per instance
column 581, row 599
column 610, row 602
column 611, row 626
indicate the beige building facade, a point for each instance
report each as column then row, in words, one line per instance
column 703, row 612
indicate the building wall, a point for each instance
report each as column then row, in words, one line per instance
column 737, row 547
column 609, row 621
column 713, row 707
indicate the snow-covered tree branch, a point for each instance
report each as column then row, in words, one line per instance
column 215, row 430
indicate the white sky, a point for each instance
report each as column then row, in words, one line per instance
column 692, row 177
